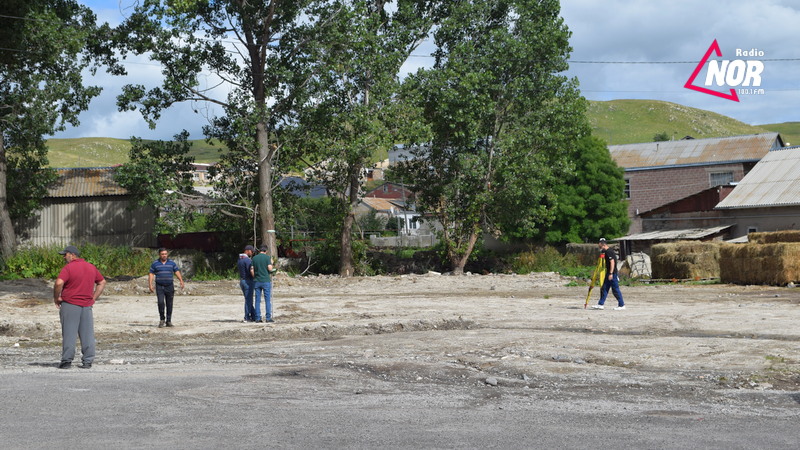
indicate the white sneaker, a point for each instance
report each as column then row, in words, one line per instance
column 619, row 308
column 598, row 307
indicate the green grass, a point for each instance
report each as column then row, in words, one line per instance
column 87, row 152
column 790, row 131
column 632, row 121
column 104, row 152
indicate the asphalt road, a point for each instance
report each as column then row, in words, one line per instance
column 409, row 362
column 285, row 405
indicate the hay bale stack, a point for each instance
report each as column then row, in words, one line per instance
column 773, row 237
column 686, row 260
column 773, row 264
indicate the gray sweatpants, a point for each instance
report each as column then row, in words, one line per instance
column 77, row 321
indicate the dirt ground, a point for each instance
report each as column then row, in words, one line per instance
column 718, row 346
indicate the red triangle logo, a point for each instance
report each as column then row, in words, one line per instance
column 690, row 82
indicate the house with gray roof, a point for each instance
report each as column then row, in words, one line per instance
column 768, row 197
column 659, row 173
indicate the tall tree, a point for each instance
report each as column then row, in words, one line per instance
column 504, row 121
column 44, row 47
column 159, row 175
column 590, row 203
column 355, row 114
column 258, row 55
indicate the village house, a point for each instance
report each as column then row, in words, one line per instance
column 200, row 174
column 659, row 173
column 766, row 199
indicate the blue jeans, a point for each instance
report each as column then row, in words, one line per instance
column 614, row 286
column 266, row 289
column 248, row 289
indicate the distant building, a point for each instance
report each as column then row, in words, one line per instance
column 407, row 218
column 200, row 175
column 302, row 188
column 768, row 198
column 392, row 191
column 86, row 205
column 658, row 173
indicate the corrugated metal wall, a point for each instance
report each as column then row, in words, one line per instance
column 96, row 220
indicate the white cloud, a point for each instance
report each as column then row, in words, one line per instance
column 612, row 30
column 682, row 31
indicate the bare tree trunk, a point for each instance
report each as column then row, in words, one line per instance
column 346, row 263
column 8, row 237
column 265, row 154
column 458, row 261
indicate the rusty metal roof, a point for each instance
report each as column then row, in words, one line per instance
column 85, row 182
column 774, row 181
column 695, row 151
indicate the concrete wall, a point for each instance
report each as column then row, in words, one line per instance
column 682, row 221
column 762, row 219
column 404, row 241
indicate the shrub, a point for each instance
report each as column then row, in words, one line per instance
column 549, row 259
column 324, row 256
column 45, row 262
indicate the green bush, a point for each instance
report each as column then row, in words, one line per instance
column 325, row 254
column 549, row 259
column 45, row 262
column 213, row 267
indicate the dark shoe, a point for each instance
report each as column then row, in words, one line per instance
column 85, row 366
column 65, row 365
column 161, row 324
column 169, row 324
column 269, row 320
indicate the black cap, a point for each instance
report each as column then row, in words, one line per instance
column 249, row 247
column 602, row 240
column 263, row 249
column 70, row 249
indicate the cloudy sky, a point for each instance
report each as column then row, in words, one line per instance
column 622, row 49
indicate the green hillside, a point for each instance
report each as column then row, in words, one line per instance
column 103, row 152
column 615, row 121
column 790, row 131
column 87, row 152
column 631, row 121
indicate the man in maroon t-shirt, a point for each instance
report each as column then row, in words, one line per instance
column 77, row 287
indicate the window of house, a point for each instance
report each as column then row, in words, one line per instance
column 720, row 178
column 627, row 189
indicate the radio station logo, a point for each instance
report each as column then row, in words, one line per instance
column 740, row 76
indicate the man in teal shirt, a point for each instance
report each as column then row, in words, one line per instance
column 261, row 269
